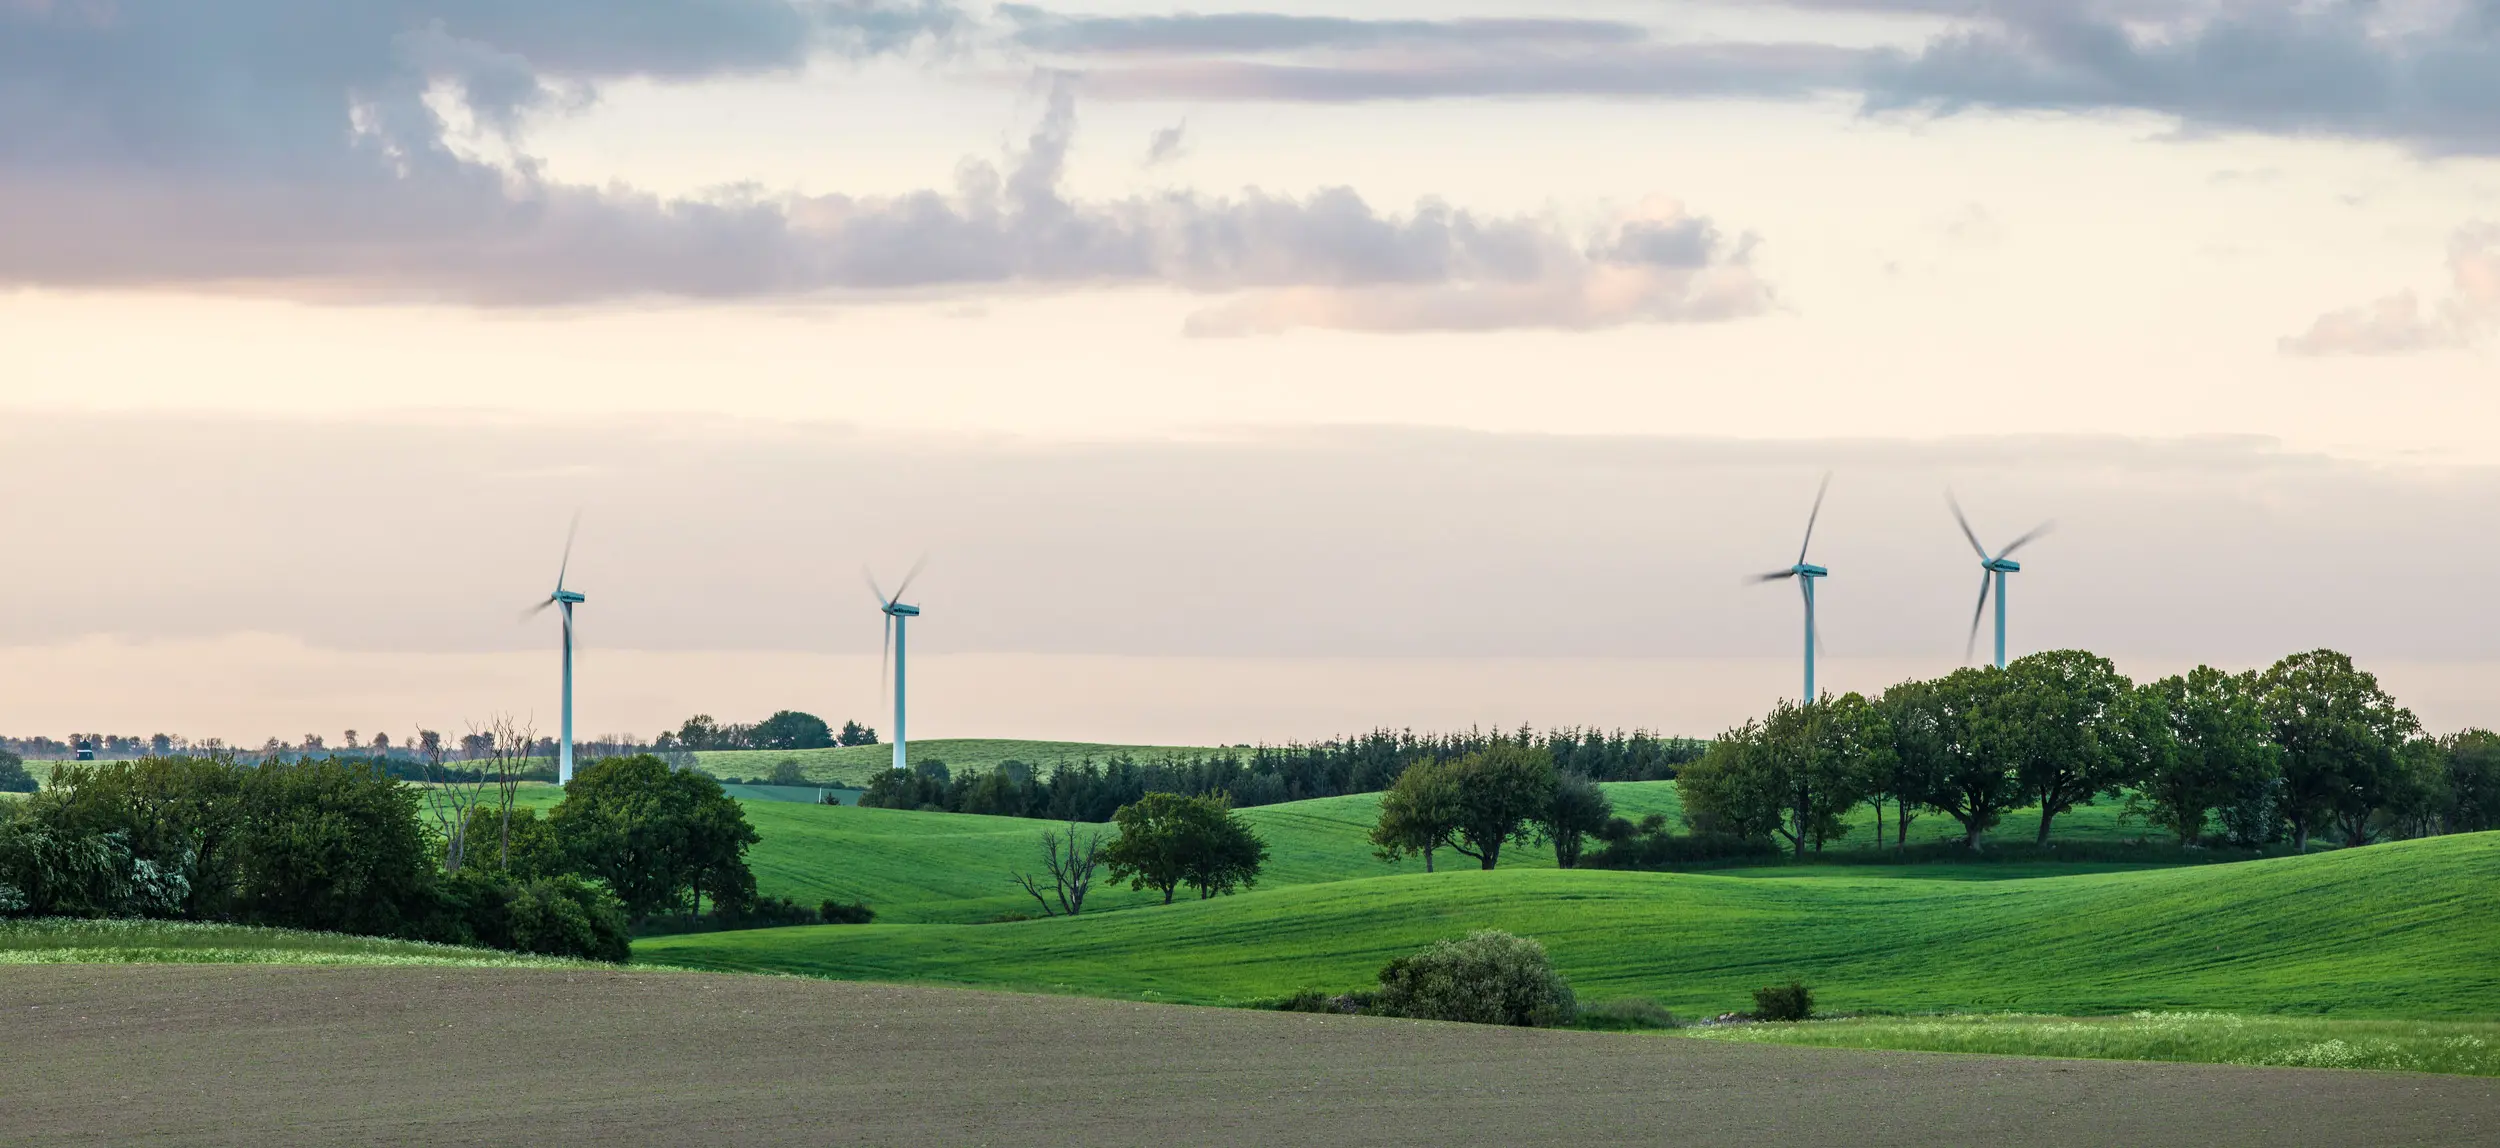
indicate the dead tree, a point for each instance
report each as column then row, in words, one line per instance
column 451, row 796
column 1069, row 858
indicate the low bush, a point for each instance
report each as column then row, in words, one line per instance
column 1650, row 846
column 1628, row 1014
column 852, row 913
column 558, row 916
column 1314, row 1000
column 1789, row 1002
column 13, row 775
column 1487, row 977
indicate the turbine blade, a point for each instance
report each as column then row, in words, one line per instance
column 1972, row 647
column 1817, row 512
column 567, row 563
column 2036, row 532
column 873, row 588
column 1967, row 532
column 538, row 609
column 1773, row 576
column 914, row 572
column 885, row 661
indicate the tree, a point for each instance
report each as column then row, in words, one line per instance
column 1069, row 858
column 1502, row 789
column 1168, row 840
column 2066, row 719
column 700, row 732
column 790, row 729
column 1972, row 783
column 854, row 733
column 181, row 814
column 13, row 775
column 2414, row 798
column 2211, row 748
column 333, row 845
column 1904, row 742
column 1577, row 809
column 2339, row 733
column 787, row 771
column 1812, row 767
column 2473, row 780
column 1418, row 814
column 660, row 838
column 1732, row 790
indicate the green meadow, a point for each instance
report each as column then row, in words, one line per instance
column 2470, row 1048
column 53, row 940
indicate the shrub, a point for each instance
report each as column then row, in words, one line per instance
column 1627, row 1014
column 1652, row 847
column 1342, row 1004
column 788, row 772
column 1487, row 977
column 567, row 917
column 1788, row 1002
column 854, row 913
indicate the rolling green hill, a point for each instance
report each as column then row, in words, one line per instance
column 2399, row 930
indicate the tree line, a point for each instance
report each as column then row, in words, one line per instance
column 786, row 729
column 338, row 844
column 1248, row 776
column 2309, row 747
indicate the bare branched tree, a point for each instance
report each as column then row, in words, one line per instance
column 1069, row 858
column 451, row 796
column 509, row 743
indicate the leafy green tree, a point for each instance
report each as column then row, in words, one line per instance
column 332, row 844
column 1904, row 742
column 1814, row 764
column 1168, row 840
column 1418, row 814
column 791, row 729
column 1974, row 782
column 854, row 733
column 660, row 838
column 2414, row 798
column 13, row 775
column 2473, row 761
column 1578, row 809
column 2067, row 720
column 2339, row 733
column 1502, row 789
column 179, row 813
column 787, row 771
column 2210, row 748
column 1733, row 789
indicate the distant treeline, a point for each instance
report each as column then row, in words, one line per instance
column 787, row 729
column 1263, row 775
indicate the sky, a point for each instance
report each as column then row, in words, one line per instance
column 1243, row 373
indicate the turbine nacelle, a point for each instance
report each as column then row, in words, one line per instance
column 900, row 610
column 567, row 597
column 1809, row 570
column 2001, row 565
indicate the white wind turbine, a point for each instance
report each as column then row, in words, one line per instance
column 565, row 600
column 897, row 617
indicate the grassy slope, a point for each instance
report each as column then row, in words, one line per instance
column 854, row 765
column 2401, row 930
column 2470, row 1048
column 60, row 941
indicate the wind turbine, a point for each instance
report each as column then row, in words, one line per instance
column 1995, row 568
column 897, row 615
column 565, row 599
column 1805, row 573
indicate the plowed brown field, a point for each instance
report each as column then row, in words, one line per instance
column 263, row 1055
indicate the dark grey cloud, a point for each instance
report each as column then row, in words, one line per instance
column 2429, row 77
column 241, row 147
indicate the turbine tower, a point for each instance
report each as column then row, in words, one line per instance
column 565, row 600
column 1991, row 568
column 897, row 616
column 1805, row 573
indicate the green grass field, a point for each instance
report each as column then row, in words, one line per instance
column 855, row 764
column 2465, row 1048
column 2395, row 931
column 44, row 941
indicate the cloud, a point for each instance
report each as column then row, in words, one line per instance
column 1167, row 144
column 2426, row 75
column 1253, row 32
column 2400, row 324
column 340, row 174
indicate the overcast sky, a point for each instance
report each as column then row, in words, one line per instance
column 1486, row 344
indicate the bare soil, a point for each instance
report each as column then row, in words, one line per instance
column 262, row 1055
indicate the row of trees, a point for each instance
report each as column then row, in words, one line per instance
column 1248, row 776
column 786, row 729
column 338, row 844
column 1475, row 804
column 2309, row 746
